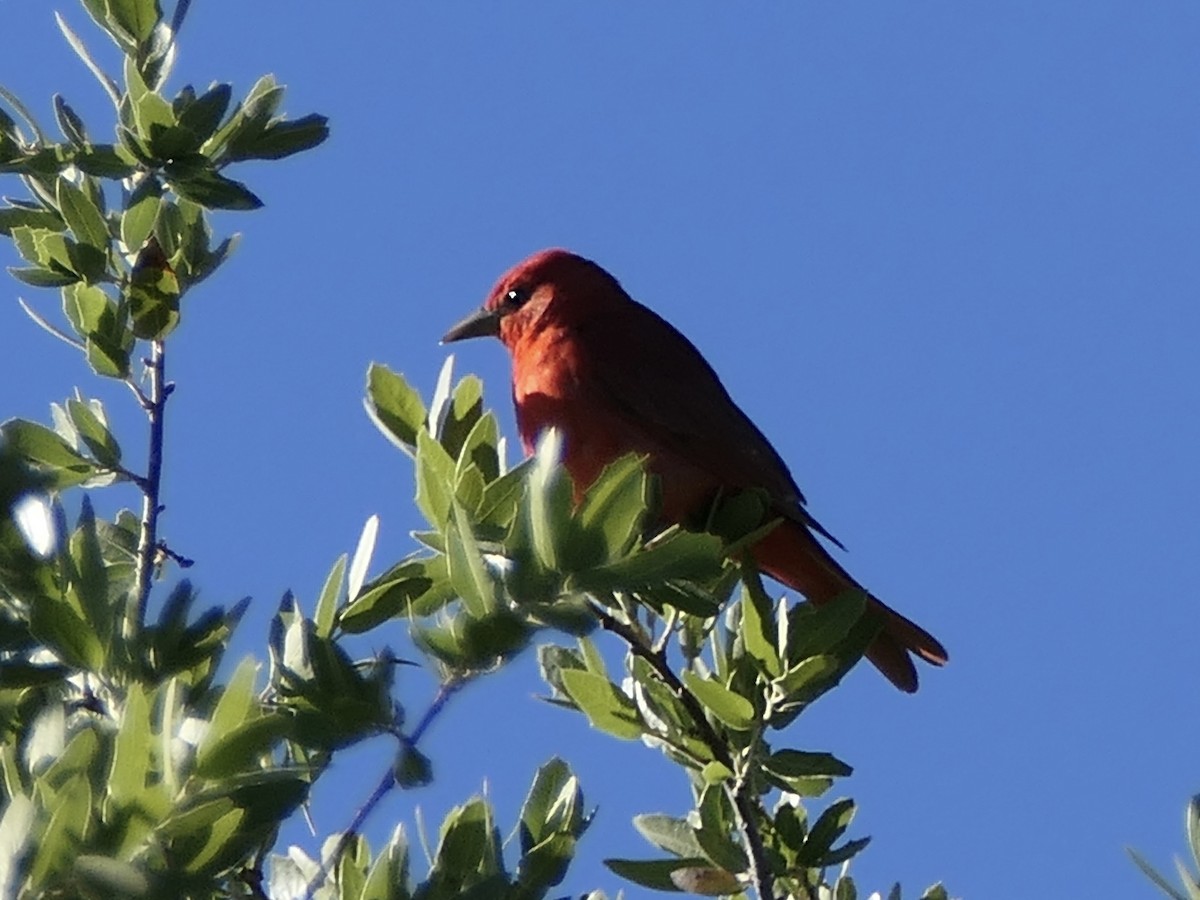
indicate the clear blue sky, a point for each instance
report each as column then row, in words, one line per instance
column 944, row 254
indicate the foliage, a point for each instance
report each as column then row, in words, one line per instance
column 1188, row 880
column 129, row 769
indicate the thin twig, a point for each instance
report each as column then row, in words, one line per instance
column 41, row 321
column 744, row 802
column 383, row 788
column 151, row 486
column 179, row 559
column 435, row 708
column 140, row 395
column 660, row 645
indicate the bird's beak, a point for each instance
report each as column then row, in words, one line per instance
column 481, row 323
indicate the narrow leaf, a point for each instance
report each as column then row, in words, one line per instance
column 110, row 86
column 362, row 556
column 327, row 602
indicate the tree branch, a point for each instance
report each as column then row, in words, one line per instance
column 745, row 804
column 151, row 485
column 384, row 787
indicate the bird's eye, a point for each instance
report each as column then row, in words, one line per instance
column 516, row 298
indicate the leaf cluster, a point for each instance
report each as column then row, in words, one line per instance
column 713, row 668
column 123, row 267
column 1189, row 881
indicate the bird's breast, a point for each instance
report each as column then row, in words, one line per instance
column 552, row 388
column 556, row 385
column 547, row 384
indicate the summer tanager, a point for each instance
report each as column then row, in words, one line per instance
column 615, row 378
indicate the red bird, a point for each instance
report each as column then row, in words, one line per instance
column 615, row 378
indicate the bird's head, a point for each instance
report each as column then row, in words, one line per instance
column 550, row 287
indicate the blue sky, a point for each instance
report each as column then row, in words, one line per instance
column 944, row 254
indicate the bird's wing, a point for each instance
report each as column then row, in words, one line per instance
column 659, row 383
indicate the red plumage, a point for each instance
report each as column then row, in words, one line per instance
column 616, row 378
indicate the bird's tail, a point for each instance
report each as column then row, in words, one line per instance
column 792, row 555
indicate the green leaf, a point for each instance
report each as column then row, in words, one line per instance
column 106, row 161
column 454, row 420
column 94, row 431
column 499, row 635
column 215, row 258
column 106, row 359
column 546, row 864
column 281, row 139
column 615, row 505
column 237, row 749
column 25, row 240
column 758, row 627
column 214, row 191
column 48, row 452
column 716, row 826
column 237, row 701
column 327, row 602
column 830, row 826
column 362, row 556
column 654, row 874
column 394, row 406
column 553, row 660
column 390, row 595
column 135, row 17
column 552, row 804
column 71, row 816
column 153, row 301
column 818, row 629
column 731, row 708
column 84, row 307
column 668, row 833
column 157, row 130
column 793, row 764
column 69, row 122
column 469, row 847
column 204, row 114
column 468, row 573
column 502, row 496
column 549, row 503
column 606, row 707
column 195, row 236
column 682, row 554
column 479, row 450
column 445, row 643
column 89, row 580
column 137, row 222
column 53, row 622
column 707, row 881
column 716, row 773
column 214, row 854
column 19, row 108
column 108, row 877
column 58, row 253
column 18, row 674
column 810, row 674
column 435, row 480
column 388, row 878
column 838, row 855
column 413, row 768
column 468, row 486
column 131, row 749
column 15, row 216
column 41, row 277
